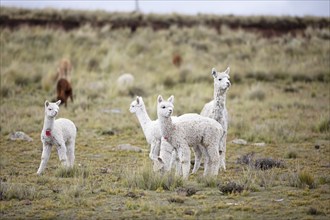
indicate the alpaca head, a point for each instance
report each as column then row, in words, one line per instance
column 52, row 108
column 136, row 104
column 165, row 108
column 221, row 80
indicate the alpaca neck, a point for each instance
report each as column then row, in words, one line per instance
column 48, row 123
column 143, row 118
column 219, row 105
column 166, row 127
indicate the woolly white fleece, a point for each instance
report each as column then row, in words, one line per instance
column 196, row 132
column 151, row 130
column 61, row 133
column 216, row 108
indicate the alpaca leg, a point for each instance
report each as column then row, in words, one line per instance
column 61, row 150
column 223, row 160
column 214, row 161
column 176, row 162
column 184, row 155
column 154, row 150
column 173, row 162
column 198, row 158
column 166, row 153
column 206, row 162
column 222, row 153
column 70, row 153
column 46, row 150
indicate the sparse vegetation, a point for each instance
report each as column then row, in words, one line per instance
column 145, row 178
column 279, row 96
column 18, row 191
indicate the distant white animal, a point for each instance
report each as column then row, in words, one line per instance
column 61, row 133
column 216, row 108
column 151, row 130
column 124, row 82
column 198, row 132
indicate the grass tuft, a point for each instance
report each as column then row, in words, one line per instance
column 145, row 178
column 18, row 191
column 208, row 181
column 324, row 125
column 64, row 172
column 306, row 179
column 301, row 179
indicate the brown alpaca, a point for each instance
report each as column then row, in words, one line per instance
column 64, row 70
column 64, row 91
column 177, row 60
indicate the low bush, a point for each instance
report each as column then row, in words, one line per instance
column 231, row 187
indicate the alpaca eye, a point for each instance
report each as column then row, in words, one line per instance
column 49, row 109
column 163, row 107
column 220, row 79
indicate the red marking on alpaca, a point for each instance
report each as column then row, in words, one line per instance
column 48, row 133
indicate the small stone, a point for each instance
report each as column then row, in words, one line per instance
column 128, row 147
column 239, row 142
column 19, row 135
column 317, row 146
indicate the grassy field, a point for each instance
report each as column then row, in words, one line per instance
column 279, row 102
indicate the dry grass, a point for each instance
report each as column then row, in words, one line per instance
column 145, row 178
column 279, row 96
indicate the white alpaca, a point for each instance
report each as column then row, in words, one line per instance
column 216, row 108
column 151, row 130
column 198, row 132
column 61, row 133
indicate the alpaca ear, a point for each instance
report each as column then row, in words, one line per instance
column 58, row 102
column 137, row 100
column 171, row 99
column 214, row 72
column 46, row 103
column 227, row 70
column 160, row 99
